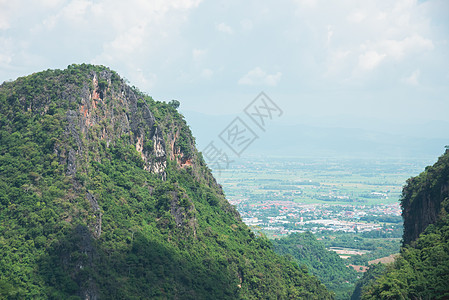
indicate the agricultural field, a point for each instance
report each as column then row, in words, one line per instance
column 309, row 181
column 347, row 203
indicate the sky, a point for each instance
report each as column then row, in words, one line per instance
column 372, row 64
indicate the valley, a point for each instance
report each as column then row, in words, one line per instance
column 103, row 195
column 288, row 195
column 351, row 206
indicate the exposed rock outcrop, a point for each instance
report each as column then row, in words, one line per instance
column 110, row 110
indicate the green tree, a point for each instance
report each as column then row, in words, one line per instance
column 174, row 103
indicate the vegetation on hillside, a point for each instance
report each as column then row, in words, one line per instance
column 377, row 244
column 82, row 215
column 421, row 272
column 307, row 251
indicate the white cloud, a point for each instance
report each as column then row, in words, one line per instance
column 306, row 3
column 373, row 53
column 7, row 11
column 76, row 10
column 4, row 24
column 207, row 73
column 127, row 42
column 409, row 45
column 413, row 78
column 356, row 17
column 5, row 59
column 140, row 78
column 257, row 76
column 6, row 53
column 370, row 60
column 330, row 33
column 223, row 27
column 337, row 61
column 146, row 35
column 198, row 54
column 246, row 24
column 124, row 35
column 372, row 34
column 182, row 45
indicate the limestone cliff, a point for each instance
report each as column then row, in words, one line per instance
column 422, row 198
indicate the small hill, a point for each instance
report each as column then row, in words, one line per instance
column 103, row 195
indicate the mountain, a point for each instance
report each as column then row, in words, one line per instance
column 422, row 270
column 103, row 195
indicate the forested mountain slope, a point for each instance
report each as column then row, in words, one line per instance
column 103, row 195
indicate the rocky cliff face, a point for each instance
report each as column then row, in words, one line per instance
column 422, row 198
column 122, row 115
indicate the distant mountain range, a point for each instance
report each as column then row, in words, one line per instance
column 305, row 140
